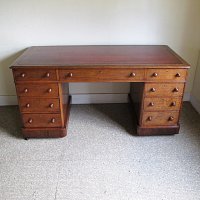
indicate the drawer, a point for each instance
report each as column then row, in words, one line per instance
column 42, row 120
column 34, row 75
column 99, row 75
column 44, row 90
column 158, row 104
column 166, row 74
column 164, row 89
column 39, row 105
column 160, row 118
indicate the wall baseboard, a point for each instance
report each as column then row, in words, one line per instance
column 99, row 98
column 195, row 103
column 8, row 100
column 84, row 99
column 186, row 96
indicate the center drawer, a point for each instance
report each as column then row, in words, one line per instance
column 99, row 75
column 39, row 105
column 44, row 90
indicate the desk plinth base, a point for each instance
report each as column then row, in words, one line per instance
column 147, row 131
column 44, row 132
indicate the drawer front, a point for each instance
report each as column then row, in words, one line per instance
column 160, row 118
column 158, row 104
column 39, row 105
column 42, row 120
column 164, row 89
column 44, row 90
column 98, row 75
column 166, row 74
column 34, row 75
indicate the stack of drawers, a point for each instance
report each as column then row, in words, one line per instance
column 41, row 103
column 160, row 100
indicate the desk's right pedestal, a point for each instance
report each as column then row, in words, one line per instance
column 157, row 107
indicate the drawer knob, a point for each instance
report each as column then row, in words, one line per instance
column 149, row 118
column 49, row 90
column 30, row 121
column 173, row 103
column 155, row 74
column 151, row 104
column 171, row 118
column 28, row 105
column 25, row 90
column 53, row 120
column 51, row 105
column 23, row 75
column 69, row 75
column 178, row 75
column 132, row 74
column 48, row 75
column 176, row 89
column 153, row 89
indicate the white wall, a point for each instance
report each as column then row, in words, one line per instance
column 48, row 22
column 195, row 94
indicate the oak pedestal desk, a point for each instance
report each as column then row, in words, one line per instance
column 156, row 73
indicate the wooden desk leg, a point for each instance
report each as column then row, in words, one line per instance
column 158, row 119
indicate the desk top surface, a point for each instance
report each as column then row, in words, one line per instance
column 101, row 55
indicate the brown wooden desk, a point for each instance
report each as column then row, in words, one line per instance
column 156, row 73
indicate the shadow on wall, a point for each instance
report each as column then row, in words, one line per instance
column 6, row 78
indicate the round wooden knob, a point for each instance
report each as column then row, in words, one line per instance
column 23, row 75
column 51, row 105
column 171, row 118
column 49, row 90
column 28, row 105
column 47, row 75
column 149, row 118
column 132, row 74
column 70, row 75
column 176, row 89
column 178, row 75
column 53, row 120
column 30, row 121
column 25, row 90
column 153, row 89
column 173, row 103
column 155, row 74
column 151, row 104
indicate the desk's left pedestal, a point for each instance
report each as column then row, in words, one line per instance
column 44, row 103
